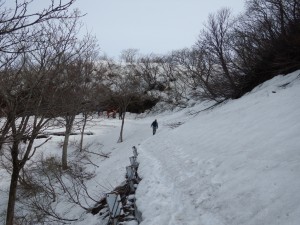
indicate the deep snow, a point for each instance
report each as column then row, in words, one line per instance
column 237, row 163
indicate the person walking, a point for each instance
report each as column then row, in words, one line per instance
column 154, row 126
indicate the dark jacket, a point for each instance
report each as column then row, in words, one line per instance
column 154, row 124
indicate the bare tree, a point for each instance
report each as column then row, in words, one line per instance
column 149, row 70
column 126, row 89
column 266, row 40
column 121, row 87
column 26, row 114
column 75, row 97
column 129, row 55
column 216, row 38
column 16, row 19
column 195, row 67
column 29, row 64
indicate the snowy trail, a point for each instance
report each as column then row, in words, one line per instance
column 173, row 176
column 170, row 192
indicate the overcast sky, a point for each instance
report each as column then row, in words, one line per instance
column 152, row 26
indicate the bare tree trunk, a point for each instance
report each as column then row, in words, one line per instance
column 122, row 126
column 69, row 125
column 82, row 131
column 13, row 184
column 226, row 72
column 12, row 197
column 65, row 151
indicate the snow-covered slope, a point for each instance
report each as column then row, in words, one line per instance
column 237, row 163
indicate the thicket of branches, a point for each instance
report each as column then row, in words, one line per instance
column 233, row 55
column 267, row 40
column 44, row 186
column 45, row 71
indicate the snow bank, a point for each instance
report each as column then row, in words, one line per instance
column 238, row 163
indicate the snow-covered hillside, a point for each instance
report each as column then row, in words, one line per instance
column 237, row 163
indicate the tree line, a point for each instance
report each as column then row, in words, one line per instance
column 231, row 56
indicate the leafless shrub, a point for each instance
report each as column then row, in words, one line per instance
column 174, row 125
column 266, row 40
column 44, row 185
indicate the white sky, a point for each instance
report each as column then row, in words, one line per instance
column 157, row 26
column 152, row 26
